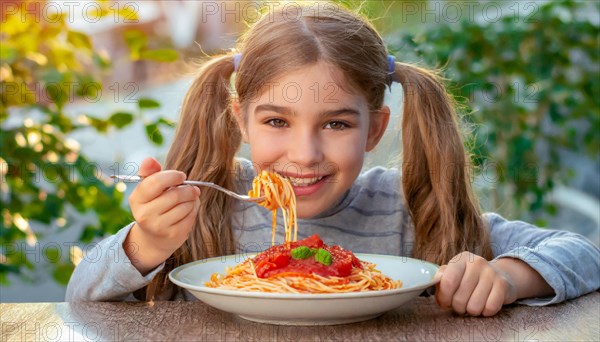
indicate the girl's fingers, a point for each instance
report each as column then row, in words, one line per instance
column 451, row 279
column 437, row 279
column 177, row 213
column 438, row 276
column 173, row 197
column 148, row 167
column 154, row 185
column 150, row 214
column 495, row 299
column 468, row 283
column 189, row 220
column 481, row 293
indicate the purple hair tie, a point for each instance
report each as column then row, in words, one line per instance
column 391, row 63
column 236, row 61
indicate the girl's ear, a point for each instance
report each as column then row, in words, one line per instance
column 237, row 113
column 377, row 125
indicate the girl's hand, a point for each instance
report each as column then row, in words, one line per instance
column 472, row 285
column 164, row 211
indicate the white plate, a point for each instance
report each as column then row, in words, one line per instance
column 307, row 309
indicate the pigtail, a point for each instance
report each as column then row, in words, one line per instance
column 206, row 140
column 435, row 171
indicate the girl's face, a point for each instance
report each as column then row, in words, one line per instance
column 306, row 128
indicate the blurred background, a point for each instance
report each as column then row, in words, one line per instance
column 90, row 88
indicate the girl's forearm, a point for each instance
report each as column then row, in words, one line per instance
column 528, row 282
column 143, row 255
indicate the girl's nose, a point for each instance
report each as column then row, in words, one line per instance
column 305, row 149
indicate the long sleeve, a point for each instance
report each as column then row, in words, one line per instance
column 569, row 262
column 106, row 274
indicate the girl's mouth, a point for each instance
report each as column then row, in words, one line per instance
column 307, row 186
column 302, row 182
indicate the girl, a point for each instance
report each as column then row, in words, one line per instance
column 309, row 88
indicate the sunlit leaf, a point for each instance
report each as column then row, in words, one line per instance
column 100, row 125
column 7, row 54
column 154, row 134
column 163, row 55
column 121, row 119
column 57, row 93
column 147, row 103
column 79, row 40
column 136, row 40
column 102, row 60
column 166, row 122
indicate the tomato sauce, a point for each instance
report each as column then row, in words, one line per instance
column 278, row 259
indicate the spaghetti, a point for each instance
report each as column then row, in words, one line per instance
column 280, row 270
column 305, row 266
column 278, row 193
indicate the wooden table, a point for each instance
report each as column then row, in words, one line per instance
column 420, row 320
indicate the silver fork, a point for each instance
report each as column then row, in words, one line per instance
column 137, row 179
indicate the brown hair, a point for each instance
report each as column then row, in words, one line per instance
column 435, row 171
column 441, row 204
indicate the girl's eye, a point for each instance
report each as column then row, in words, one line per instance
column 277, row 123
column 337, row 125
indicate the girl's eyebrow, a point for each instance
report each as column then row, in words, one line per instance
column 287, row 111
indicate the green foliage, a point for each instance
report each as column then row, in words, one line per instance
column 137, row 43
column 531, row 86
column 44, row 66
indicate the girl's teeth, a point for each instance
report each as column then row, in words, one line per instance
column 304, row 181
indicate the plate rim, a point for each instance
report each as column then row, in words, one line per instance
column 269, row 295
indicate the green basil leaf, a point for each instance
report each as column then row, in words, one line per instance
column 323, row 257
column 303, row 252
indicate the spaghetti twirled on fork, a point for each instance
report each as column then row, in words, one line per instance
column 279, row 194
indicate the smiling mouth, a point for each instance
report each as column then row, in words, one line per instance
column 301, row 182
